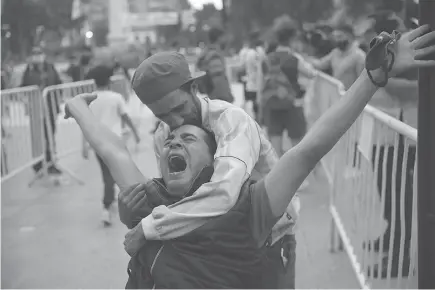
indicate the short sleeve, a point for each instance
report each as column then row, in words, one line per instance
column 262, row 219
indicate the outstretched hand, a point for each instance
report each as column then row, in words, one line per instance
column 86, row 98
column 415, row 49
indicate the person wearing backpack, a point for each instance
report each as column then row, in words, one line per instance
column 281, row 110
column 281, row 93
column 215, row 83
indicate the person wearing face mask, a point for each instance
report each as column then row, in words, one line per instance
column 42, row 73
column 347, row 60
column 215, row 83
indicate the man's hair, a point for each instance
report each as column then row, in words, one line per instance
column 284, row 35
column 214, row 33
column 271, row 47
column 187, row 87
column 254, row 36
column 210, row 140
column 101, row 75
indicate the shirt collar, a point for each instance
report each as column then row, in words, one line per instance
column 205, row 111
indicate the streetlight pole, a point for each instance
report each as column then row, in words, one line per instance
column 426, row 163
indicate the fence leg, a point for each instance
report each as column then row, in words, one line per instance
column 72, row 175
column 40, row 175
column 333, row 236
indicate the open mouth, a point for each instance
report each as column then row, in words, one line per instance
column 176, row 164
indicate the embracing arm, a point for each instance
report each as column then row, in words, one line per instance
column 238, row 150
column 105, row 143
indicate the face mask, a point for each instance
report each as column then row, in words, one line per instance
column 38, row 58
column 343, row 44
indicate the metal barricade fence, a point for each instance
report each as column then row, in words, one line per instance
column 23, row 144
column 65, row 135
column 372, row 177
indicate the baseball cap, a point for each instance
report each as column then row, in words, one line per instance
column 160, row 74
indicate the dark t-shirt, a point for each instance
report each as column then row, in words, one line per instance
column 262, row 218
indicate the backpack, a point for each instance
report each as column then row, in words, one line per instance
column 281, row 85
column 215, row 83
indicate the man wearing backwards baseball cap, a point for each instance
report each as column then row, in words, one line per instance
column 163, row 82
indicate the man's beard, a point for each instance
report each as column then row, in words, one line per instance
column 195, row 118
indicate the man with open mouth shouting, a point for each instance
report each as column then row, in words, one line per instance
column 223, row 251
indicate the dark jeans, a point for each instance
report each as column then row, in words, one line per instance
column 109, row 184
column 408, row 192
column 276, row 275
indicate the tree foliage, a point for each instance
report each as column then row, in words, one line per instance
column 208, row 15
column 245, row 15
column 24, row 16
column 357, row 8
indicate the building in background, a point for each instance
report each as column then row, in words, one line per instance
column 142, row 21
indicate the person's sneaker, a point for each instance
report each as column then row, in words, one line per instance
column 107, row 217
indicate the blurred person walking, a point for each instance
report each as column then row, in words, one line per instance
column 347, row 60
column 42, row 73
column 110, row 109
column 215, row 83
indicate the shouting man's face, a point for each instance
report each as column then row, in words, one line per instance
column 186, row 151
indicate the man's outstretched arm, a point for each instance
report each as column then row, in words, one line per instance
column 295, row 165
column 105, row 143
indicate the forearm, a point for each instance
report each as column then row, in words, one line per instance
column 330, row 127
column 295, row 165
column 108, row 146
column 102, row 140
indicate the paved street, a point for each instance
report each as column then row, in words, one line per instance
column 52, row 236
